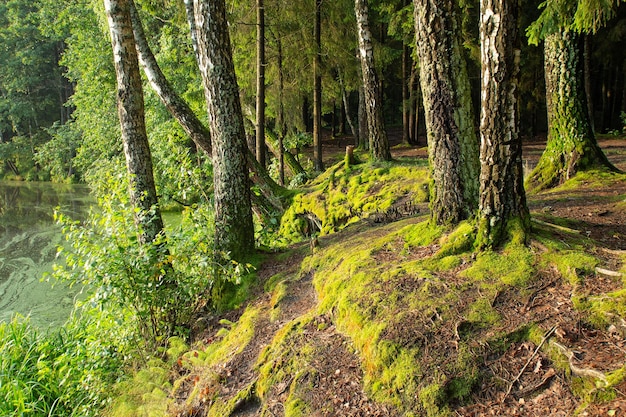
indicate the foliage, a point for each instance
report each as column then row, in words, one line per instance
column 58, row 153
column 583, row 16
column 163, row 284
column 64, row 373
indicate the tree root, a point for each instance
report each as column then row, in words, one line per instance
column 577, row 370
column 608, row 272
column 555, row 226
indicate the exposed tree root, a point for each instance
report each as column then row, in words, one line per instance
column 577, row 370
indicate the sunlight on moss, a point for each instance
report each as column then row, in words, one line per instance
column 234, row 338
column 341, row 197
column 573, row 265
column 147, row 393
column 512, row 266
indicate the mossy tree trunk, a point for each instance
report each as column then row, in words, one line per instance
column 130, row 104
column 503, row 213
column 452, row 141
column 571, row 145
column 234, row 232
column 378, row 142
column 260, row 84
column 317, row 89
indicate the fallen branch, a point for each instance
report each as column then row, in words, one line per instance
column 614, row 251
column 576, row 370
column 545, row 338
column 608, row 272
column 555, row 226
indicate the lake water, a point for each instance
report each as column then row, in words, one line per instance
column 29, row 239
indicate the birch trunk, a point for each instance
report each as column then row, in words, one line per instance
column 234, row 232
column 378, row 142
column 503, row 213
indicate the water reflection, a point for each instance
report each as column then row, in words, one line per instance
column 28, row 241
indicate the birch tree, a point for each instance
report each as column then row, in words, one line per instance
column 142, row 190
column 502, row 206
column 378, row 142
column 234, row 232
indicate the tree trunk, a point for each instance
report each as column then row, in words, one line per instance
column 452, row 142
column 260, row 84
column 181, row 111
column 317, row 90
column 406, row 113
column 587, row 77
column 346, row 105
column 234, row 232
column 571, row 145
column 503, row 213
column 414, row 108
column 130, row 104
column 280, row 119
column 363, row 141
column 188, row 120
column 378, row 142
column 274, row 144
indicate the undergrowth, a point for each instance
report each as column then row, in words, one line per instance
column 416, row 300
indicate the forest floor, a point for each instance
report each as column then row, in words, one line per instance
column 523, row 380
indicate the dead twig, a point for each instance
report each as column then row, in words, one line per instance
column 545, row 338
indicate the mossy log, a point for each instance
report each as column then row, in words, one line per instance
column 294, row 167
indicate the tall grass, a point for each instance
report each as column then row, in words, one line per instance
column 52, row 374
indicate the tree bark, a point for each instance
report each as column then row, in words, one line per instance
column 406, row 113
column 130, row 104
column 346, row 105
column 260, row 84
column 188, row 120
column 280, row 119
column 378, row 142
column 363, row 138
column 452, row 141
column 317, row 89
column 273, row 142
column 571, row 145
column 234, row 232
column 503, row 213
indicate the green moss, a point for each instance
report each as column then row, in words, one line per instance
column 482, row 314
column 512, row 266
column 594, row 178
column 147, row 393
column 460, row 240
column 220, row 408
column 421, row 234
column 573, row 265
column 431, row 398
column 602, row 309
column 280, row 292
column 288, row 360
column 234, row 338
column 344, row 196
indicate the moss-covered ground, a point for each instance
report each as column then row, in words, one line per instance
column 388, row 315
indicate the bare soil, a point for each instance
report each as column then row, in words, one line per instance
column 522, row 380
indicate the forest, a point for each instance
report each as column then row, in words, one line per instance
column 314, row 208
